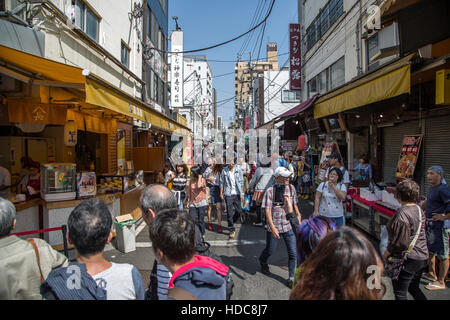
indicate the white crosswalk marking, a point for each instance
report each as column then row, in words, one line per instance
column 213, row 243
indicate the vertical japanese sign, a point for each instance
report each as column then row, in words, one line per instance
column 176, row 98
column 295, row 57
column 408, row 156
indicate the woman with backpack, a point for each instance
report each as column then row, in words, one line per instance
column 329, row 197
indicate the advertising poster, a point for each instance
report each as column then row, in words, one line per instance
column 408, row 156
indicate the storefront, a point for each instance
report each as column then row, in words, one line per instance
column 392, row 113
column 80, row 129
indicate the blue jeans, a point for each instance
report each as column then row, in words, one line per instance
column 234, row 210
column 198, row 216
column 340, row 222
column 182, row 197
column 271, row 245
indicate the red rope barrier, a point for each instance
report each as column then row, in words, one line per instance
column 35, row 231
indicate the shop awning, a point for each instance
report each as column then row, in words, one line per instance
column 381, row 84
column 300, row 108
column 41, row 67
column 267, row 126
column 46, row 72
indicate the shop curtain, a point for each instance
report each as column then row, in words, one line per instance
column 22, row 112
column 92, row 124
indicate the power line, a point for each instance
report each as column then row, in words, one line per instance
column 234, row 61
column 220, row 44
column 258, row 13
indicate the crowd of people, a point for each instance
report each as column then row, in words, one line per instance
column 326, row 258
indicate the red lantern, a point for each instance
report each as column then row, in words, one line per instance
column 302, row 142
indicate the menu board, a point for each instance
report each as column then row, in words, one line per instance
column 408, row 156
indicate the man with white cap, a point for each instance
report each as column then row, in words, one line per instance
column 278, row 220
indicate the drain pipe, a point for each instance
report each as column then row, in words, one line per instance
column 358, row 41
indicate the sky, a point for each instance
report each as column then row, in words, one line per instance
column 209, row 22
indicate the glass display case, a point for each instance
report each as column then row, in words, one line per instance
column 119, row 183
column 58, row 181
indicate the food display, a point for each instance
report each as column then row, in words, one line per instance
column 119, row 183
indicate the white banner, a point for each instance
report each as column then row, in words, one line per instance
column 177, row 76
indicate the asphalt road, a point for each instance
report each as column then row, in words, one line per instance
column 241, row 255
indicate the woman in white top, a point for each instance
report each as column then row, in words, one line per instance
column 329, row 197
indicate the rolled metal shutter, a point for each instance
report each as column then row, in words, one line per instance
column 391, row 145
column 436, row 146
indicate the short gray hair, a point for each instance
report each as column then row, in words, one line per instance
column 7, row 217
column 157, row 197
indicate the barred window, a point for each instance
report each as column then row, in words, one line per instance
column 323, row 22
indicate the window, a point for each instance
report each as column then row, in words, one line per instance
column 86, row 20
column 322, row 81
column 312, row 87
column 154, row 28
column 290, row 96
column 160, row 92
column 337, row 73
column 323, row 21
column 372, row 49
column 334, row 124
column 125, row 55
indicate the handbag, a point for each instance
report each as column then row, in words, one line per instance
column 393, row 266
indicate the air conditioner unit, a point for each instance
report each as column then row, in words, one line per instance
column 388, row 42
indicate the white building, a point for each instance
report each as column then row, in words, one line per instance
column 272, row 96
column 197, row 92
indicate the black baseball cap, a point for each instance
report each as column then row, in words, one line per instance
column 335, row 155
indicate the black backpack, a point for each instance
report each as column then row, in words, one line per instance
column 203, row 248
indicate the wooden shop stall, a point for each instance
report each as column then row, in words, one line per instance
column 80, row 129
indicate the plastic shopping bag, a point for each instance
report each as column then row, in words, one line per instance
column 247, row 202
column 383, row 239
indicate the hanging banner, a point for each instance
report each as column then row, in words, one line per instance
column 177, row 70
column 295, row 58
column 408, row 156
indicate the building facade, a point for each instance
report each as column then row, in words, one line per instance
column 272, row 96
column 375, row 67
column 245, row 73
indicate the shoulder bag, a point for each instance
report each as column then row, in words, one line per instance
column 36, row 251
column 393, row 266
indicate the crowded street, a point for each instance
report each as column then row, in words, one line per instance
column 244, row 153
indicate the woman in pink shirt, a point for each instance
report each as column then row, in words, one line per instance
column 196, row 199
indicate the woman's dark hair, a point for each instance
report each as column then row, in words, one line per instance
column 338, row 269
column 217, row 168
column 26, row 161
column 89, row 226
column 408, row 191
column 338, row 172
column 172, row 231
column 195, row 172
column 365, row 158
column 185, row 169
